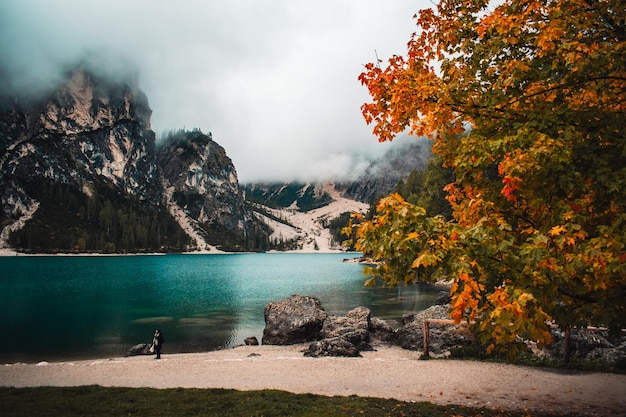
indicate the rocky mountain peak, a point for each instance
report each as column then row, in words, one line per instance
column 90, row 129
column 192, row 161
column 201, row 186
column 89, row 102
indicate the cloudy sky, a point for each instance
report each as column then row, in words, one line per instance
column 275, row 81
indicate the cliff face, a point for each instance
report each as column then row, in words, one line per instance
column 105, row 128
column 85, row 157
column 89, row 131
column 201, row 184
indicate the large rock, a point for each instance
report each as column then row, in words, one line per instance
column 348, row 344
column 443, row 298
column 613, row 355
column 382, row 331
column 595, row 344
column 357, row 319
column 251, row 341
column 343, row 336
column 301, row 319
column 441, row 336
column 297, row 319
column 411, row 336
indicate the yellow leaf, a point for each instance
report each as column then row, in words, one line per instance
column 524, row 298
column 556, row 230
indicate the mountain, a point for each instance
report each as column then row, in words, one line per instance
column 203, row 193
column 377, row 180
column 302, row 217
column 309, row 216
column 382, row 175
column 296, row 195
column 79, row 172
column 87, row 131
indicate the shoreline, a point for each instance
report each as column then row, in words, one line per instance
column 72, row 358
column 388, row 372
column 13, row 253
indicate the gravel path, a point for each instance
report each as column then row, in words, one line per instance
column 389, row 372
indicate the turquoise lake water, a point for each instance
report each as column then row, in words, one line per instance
column 55, row 308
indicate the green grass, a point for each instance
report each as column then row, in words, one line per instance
column 102, row 402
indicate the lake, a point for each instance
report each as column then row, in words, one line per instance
column 72, row 307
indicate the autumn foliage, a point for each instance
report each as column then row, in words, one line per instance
column 525, row 101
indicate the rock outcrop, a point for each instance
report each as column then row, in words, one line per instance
column 251, row 341
column 382, row 331
column 349, row 345
column 587, row 343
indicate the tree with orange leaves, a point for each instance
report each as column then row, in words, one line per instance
column 525, row 101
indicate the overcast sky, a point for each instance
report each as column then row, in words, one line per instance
column 275, row 81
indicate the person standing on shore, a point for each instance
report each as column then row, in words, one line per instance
column 157, row 342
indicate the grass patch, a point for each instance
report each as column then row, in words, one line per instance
column 103, row 401
column 472, row 352
column 576, row 364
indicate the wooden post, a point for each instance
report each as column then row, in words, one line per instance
column 425, row 337
column 427, row 322
column 566, row 346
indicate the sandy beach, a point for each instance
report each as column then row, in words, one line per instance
column 388, row 372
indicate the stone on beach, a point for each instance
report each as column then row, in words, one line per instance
column 302, row 319
column 343, row 336
column 139, row 349
column 297, row 319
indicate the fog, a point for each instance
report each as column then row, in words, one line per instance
column 275, row 81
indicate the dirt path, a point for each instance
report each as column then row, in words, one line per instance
column 388, row 372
